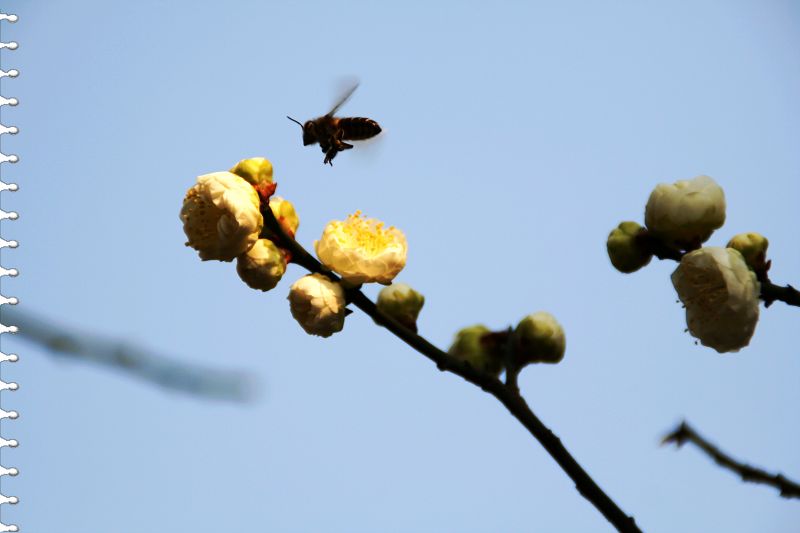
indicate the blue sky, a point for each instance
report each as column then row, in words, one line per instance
column 517, row 136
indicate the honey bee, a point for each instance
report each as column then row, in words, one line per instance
column 331, row 132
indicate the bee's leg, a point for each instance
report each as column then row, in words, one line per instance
column 326, row 149
column 329, row 155
column 342, row 146
column 339, row 143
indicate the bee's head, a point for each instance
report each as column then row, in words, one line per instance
column 309, row 132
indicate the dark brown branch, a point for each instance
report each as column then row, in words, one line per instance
column 770, row 292
column 684, row 433
column 508, row 395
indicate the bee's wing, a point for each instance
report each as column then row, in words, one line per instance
column 345, row 97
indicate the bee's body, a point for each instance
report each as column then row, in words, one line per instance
column 358, row 128
column 331, row 132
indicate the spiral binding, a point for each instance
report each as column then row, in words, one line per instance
column 12, row 130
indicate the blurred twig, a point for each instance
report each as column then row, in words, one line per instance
column 130, row 359
column 685, row 433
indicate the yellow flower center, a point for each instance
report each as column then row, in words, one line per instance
column 366, row 234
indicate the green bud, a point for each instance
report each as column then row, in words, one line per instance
column 285, row 214
column 470, row 346
column 262, row 266
column 539, row 338
column 402, row 303
column 255, row 170
column 625, row 250
column 753, row 247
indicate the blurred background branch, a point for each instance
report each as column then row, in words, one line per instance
column 684, row 433
column 153, row 367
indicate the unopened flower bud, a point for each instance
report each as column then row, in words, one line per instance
column 285, row 214
column 539, row 338
column 625, row 249
column 753, row 247
column 255, row 170
column 318, row 305
column 262, row 266
column 221, row 216
column 402, row 303
column 685, row 214
column 720, row 294
column 470, row 346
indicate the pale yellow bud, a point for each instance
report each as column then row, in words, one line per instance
column 402, row 303
column 285, row 214
column 255, row 170
column 625, row 248
column 221, row 216
column 539, row 338
column 262, row 266
column 753, row 247
column 318, row 305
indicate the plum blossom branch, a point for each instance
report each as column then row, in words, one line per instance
column 507, row 393
column 685, row 433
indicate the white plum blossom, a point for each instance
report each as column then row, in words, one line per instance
column 318, row 305
column 221, row 216
column 720, row 294
column 685, row 213
column 362, row 250
column 262, row 266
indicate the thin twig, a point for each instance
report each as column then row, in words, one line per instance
column 508, row 395
column 155, row 368
column 684, row 433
